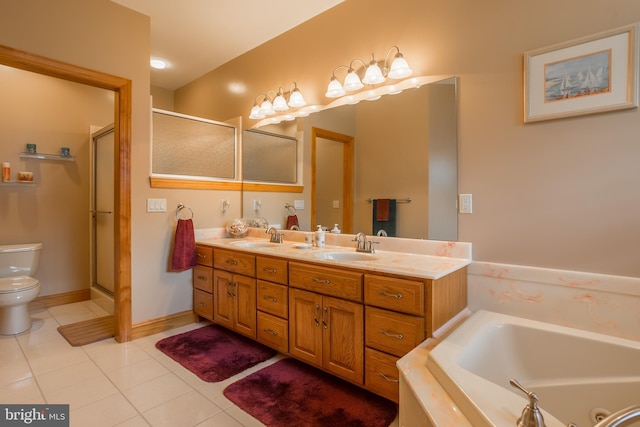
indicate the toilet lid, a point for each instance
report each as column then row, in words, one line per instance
column 17, row 284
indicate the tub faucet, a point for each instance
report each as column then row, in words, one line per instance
column 531, row 415
column 275, row 236
column 617, row 418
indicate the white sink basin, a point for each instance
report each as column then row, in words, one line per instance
column 254, row 244
column 347, row 256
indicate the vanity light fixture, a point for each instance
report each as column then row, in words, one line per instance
column 278, row 103
column 373, row 74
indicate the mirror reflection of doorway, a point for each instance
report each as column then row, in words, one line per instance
column 102, row 218
column 332, row 156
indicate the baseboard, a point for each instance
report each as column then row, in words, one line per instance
column 161, row 324
column 47, row 301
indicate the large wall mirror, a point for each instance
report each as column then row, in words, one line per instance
column 404, row 150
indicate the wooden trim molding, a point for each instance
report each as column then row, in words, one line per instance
column 253, row 186
column 47, row 301
column 162, row 324
column 156, row 182
column 122, row 190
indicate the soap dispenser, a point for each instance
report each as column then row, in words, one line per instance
column 335, row 229
column 319, row 237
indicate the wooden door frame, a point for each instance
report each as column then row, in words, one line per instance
column 122, row 188
column 347, row 167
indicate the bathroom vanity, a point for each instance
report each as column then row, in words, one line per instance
column 353, row 315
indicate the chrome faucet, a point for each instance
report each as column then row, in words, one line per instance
column 364, row 245
column 531, row 415
column 275, row 236
column 617, row 418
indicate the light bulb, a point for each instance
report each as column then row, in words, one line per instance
column 373, row 75
column 296, row 99
column 352, row 81
column 335, row 89
column 399, row 67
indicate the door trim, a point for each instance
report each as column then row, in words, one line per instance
column 347, row 183
column 122, row 186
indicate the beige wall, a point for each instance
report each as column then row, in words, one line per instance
column 560, row 194
column 55, row 210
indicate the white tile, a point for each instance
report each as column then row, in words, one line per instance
column 54, row 355
column 134, row 422
column 14, row 367
column 111, row 356
column 68, row 376
column 137, row 373
column 25, row 391
column 243, row 418
column 82, row 393
column 106, row 412
column 186, row 410
column 156, row 392
column 8, row 344
column 220, row 420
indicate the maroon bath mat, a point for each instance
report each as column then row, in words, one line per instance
column 291, row 393
column 214, row 353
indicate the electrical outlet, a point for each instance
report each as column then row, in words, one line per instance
column 465, row 203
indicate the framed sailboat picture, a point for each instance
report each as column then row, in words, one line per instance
column 591, row 75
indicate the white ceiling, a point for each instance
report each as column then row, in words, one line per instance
column 197, row 36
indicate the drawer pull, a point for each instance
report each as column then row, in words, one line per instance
column 386, row 294
column 324, row 281
column 203, row 304
column 268, row 298
column 201, row 278
column 270, row 270
column 389, row 379
column 385, row 333
column 231, row 262
column 269, row 331
column 315, row 315
column 201, row 256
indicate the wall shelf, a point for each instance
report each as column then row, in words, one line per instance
column 42, row 156
column 27, row 183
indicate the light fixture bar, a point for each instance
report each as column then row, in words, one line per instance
column 278, row 104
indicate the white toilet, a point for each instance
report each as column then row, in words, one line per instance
column 17, row 288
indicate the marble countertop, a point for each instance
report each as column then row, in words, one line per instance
column 386, row 261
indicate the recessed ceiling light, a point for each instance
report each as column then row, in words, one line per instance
column 158, row 64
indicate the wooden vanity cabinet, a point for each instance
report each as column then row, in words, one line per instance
column 400, row 313
column 203, row 283
column 273, row 303
column 324, row 330
column 234, row 291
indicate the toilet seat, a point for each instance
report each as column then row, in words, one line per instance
column 10, row 285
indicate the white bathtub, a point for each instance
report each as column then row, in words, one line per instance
column 576, row 374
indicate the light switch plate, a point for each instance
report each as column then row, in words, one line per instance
column 298, row 204
column 156, row 205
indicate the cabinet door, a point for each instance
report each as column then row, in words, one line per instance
column 343, row 342
column 244, row 289
column 223, row 298
column 305, row 328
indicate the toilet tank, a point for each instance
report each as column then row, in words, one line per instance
column 20, row 259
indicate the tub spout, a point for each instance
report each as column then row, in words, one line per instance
column 617, row 418
column 531, row 415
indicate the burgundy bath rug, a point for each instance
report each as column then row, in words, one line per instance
column 290, row 393
column 214, row 353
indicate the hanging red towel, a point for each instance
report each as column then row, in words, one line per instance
column 382, row 212
column 184, row 246
column 291, row 221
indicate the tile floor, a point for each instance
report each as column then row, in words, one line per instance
column 111, row 384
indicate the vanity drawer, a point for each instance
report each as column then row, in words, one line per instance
column 402, row 295
column 235, row 262
column 381, row 374
column 204, row 255
column 273, row 331
column 202, row 278
column 203, row 304
column 327, row 281
column 391, row 332
column 272, row 269
column 273, row 298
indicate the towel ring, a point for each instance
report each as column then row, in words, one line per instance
column 290, row 210
column 181, row 207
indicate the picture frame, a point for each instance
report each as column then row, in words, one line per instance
column 589, row 75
